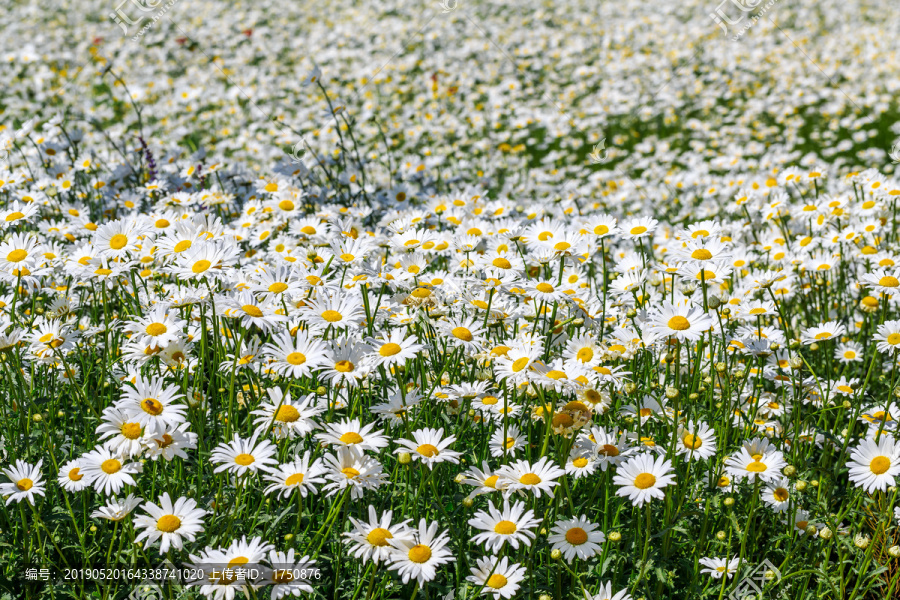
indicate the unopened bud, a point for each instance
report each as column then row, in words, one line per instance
column 801, row 486
column 615, row 536
column 721, row 535
column 826, row 533
column 405, row 458
column 728, row 501
column 555, row 554
column 672, row 393
column 790, row 471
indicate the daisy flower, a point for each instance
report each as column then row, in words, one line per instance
column 719, row 567
column 777, row 494
column 25, row 483
column 298, row 474
column 576, row 537
column 873, row 466
column 513, row 524
column 510, row 443
column 71, row 478
column 763, row 463
column 823, row 332
column 170, row 523
column 393, row 349
column 296, row 357
column 419, row 556
column 497, row 577
column 288, row 574
column 371, row 540
column 106, row 471
column 683, row 322
column 350, row 432
column 696, row 441
column 151, row 406
column 430, row 447
column 240, row 456
column 287, row 418
column 537, row 478
column 641, row 479
column 115, row 509
column 350, row 468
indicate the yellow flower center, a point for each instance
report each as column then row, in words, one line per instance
column 344, row 366
column 644, row 481
column 296, row 358
column 295, row 479
column 529, row 479
column 420, row 554
column 24, row 484
column 692, row 441
column 75, row 474
column 244, row 459
column 756, row 467
column 580, row 462
column 332, row 316
column 152, row 406
column 351, row 437
column 278, row 287
column 132, row 431
column 462, row 333
column 780, row 494
column 576, row 536
column 679, row 323
column 118, row 241
column 638, row 230
column 252, row 310
column 287, row 414
column 585, row 355
column 111, row 466
column 168, row 523
column 501, row 263
column 888, row 281
column 427, row 450
column 880, row 464
column 545, row 288
column 701, row 254
column 496, row 581
column 200, row 266
column 389, row 349
column 379, row 537
column 16, row 256
column 491, row 481
column 350, row 472
column 156, row 329
column 505, row 528
column 520, row 364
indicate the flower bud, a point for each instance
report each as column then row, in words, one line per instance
column 721, row 535
column 555, row 554
column 672, row 393
column 288, row 537
column 826, row 533
column 37, row 418
column 459, row 478
column 861, row 541
column 789, row 471
column 811, row 530
column 729, row 501
column 796, row 362
column 405, row 458
column 615, row 536
column 894, row 551
column 468, row 502
column 801, row 486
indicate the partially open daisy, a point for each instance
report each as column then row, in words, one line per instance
column 513, row 524
column 419, row 556
column 429, row 447
column 497, row 577
column 170, row 523
column 641, row 479
column 116, row 509
column 576, row 537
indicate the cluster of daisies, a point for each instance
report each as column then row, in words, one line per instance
column 414, row 332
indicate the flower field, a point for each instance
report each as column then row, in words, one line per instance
column 449, row 300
